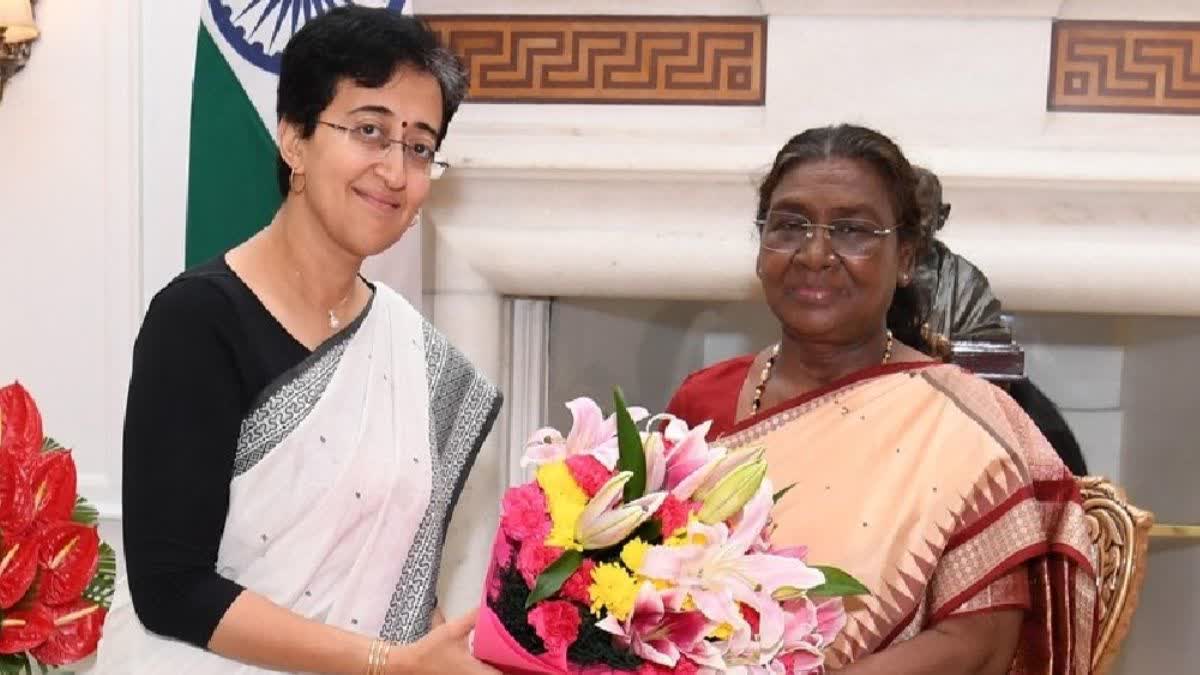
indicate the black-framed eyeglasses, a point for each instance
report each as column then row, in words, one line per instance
column 787, row 232
column 373, row 139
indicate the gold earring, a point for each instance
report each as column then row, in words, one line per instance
column 292, row 182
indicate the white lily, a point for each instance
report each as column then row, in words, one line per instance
column 601, row 525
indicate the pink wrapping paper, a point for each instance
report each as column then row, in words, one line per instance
column 492, row 643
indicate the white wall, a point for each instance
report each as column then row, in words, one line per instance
column 69, row 240
column 1160, row 469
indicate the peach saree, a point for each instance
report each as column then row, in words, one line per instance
column 933, row 488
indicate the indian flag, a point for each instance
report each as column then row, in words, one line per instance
column 231, row 169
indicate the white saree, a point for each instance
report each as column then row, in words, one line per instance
column 346, row 475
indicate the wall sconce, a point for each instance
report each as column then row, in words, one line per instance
column 17, row 32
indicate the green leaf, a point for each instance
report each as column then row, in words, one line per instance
column 779, row 495
column 85, row 513
column 632, row 455
column 838, row 584
column 15, row 664
column 554, row 577
column 51, row 445
column 100, row 590
column 650, row 532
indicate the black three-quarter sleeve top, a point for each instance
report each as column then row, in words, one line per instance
column 206, row 348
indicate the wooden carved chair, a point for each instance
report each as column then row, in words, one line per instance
column 1121, row 533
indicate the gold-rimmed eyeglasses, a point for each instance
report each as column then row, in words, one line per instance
column 373, row 139
column 787, row 232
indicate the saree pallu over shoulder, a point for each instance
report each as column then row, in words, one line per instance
column 346, row 474
column 463, row 407
column 934, row 489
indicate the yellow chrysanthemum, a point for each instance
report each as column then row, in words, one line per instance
column 677, row 540
column 566, row 502
column 722, row 632
column 614, row 589
column 634, row 553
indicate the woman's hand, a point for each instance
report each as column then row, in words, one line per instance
column 446, row 649
column 978, row 644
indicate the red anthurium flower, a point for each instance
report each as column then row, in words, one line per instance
column 69, row 553
column 18, row 567
column 76, row 632
column 53, row 487
column 20, row 422
column 23, row 629
column 16, row 497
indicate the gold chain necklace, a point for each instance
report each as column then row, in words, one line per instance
column 334, row 321
column 766, row 372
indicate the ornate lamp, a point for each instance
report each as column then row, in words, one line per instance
column 17, row 32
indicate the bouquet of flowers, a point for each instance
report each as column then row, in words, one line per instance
column 56, row 576
column 648, row 550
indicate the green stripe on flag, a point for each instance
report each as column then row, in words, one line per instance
column 231, row 170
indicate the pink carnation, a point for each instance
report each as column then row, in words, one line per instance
column 673, row 514
column 503, row 554
column 576, row 586
column 533, row 559
column 524, row 513
column 557, row 623
column 589, row 473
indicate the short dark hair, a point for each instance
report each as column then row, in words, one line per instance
column 847, row 141
column 367, row 46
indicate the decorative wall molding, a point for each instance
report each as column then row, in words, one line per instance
column 610, row 59
column 1125, row 66
column 609, row 156
column 528, row 373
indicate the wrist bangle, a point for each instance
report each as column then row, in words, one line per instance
column 377, row 656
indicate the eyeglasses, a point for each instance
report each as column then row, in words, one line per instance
column 373, row 140
column 788, row 232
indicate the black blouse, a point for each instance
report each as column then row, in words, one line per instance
column 206, row 348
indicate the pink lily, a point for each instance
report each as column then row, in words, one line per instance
column 603, row 523
column 591, row 434
column 723, row 571
column 659, row 631
column 810, row 628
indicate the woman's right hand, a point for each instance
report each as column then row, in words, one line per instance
column 446, row 649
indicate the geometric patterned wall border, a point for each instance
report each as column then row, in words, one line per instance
column 610, row 59
column 1125, row 66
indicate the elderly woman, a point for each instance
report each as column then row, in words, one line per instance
column 926, row 483
column 296, row 437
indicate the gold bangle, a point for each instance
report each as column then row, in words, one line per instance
column 384, row 653
column 377, row 656
column 373, row 658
